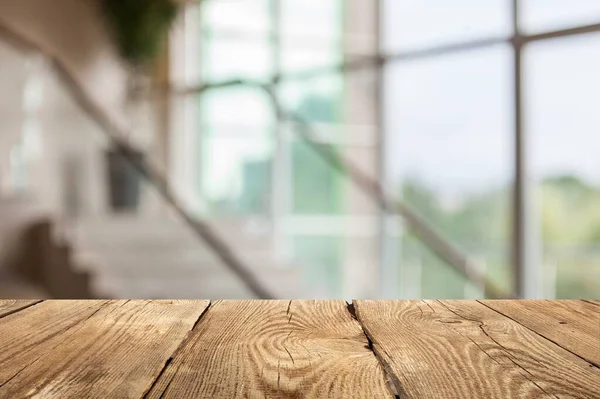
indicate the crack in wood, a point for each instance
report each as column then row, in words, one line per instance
column 288, row 352
column 173, row 356
column 540, row 335
column 392, row 381
column 64, row 330
column 597, row 303
column 432, row 309
column 278, row 376
column 500, row 346
column 21, row 308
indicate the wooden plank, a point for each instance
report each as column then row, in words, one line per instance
column 571, row 324
column 432, row 352
column 27, row 335
column 268, row 349
column 10, row 306
column 592, row 301
column 554, row 369
column 117, row 351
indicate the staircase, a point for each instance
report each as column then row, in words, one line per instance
column 160, row 257
column 43, row 266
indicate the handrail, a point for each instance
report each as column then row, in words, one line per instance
column 115, row 134
column 374, row 189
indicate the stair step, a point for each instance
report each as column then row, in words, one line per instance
column 202, row 287
column 167, row 231
column 197, row 251
column 172, row 263
column 15, row 287
column 145, row 257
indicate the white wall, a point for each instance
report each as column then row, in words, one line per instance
column 73, row 31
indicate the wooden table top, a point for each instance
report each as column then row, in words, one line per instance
column 294, row 349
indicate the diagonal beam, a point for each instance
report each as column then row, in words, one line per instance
column 117, row 134
column 374, row 189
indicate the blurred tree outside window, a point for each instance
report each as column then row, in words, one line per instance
column 449, row 124
column 449, row 131
column 562, row 94
column 449, row 153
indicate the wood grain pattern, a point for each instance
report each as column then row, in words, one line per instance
column 592, row 301
column 26, row 336
column 268, row 349
column 571, row 324
column 10, row 306
column 554, row 369
column 91, row 349
column 433, row 352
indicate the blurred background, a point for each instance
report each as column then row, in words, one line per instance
column 230, row 160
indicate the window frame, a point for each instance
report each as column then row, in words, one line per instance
column 524, row 268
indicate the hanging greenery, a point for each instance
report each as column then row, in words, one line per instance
column 139, row 27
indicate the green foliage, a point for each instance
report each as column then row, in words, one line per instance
column 316, row 186
column 139, row 26
column 480, row 225
column 570, row 211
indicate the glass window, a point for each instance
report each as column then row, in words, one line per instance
column 323, row 259
column 236, row 123
column 449, row 135
column 236, row 150
column 318, row 19
column 226, row 57
column 236, row 105
column 299, row 59
column 237, row 146
column 250, row 16
column 311, row 32
column 545, row 15
column 236, row 169
column 562, row 93
column 413, row 24
column 316, row 187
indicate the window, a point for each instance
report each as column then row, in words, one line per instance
column 237, row 124
column 417, row 24
column 449, row 120
column 250, row 162
column 449, row 158
column 562, row 95
column 449, row 141
column 545, row 15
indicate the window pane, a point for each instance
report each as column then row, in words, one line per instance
column 449, row 135
column 236, row 169
column 300, row 59
column 334, row 262
column 236, row 15
column 316, row 187
column 321, row 19
column 412, row 24
column 235, row 58
column 311, row 32
column 563, row 122
column 543, row 15
column 322, row 258
column 239, row 105
column 236, row 147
